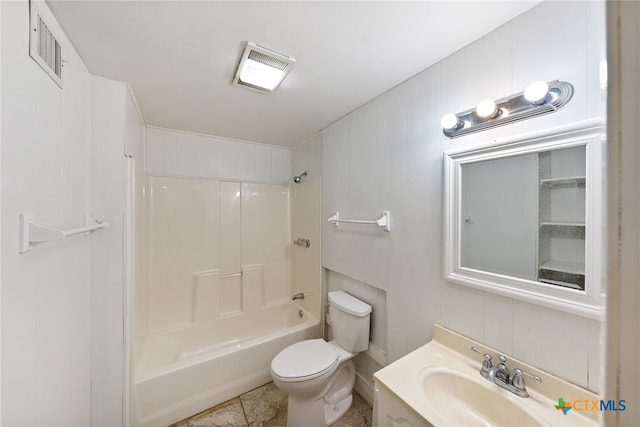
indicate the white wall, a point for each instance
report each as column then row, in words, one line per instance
column 307, row 156
column 388, row 155
column 117, row 131
column 46, row 293
column 170, row 152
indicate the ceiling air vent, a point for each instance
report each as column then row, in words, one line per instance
column 261, row 69
column 44, row 47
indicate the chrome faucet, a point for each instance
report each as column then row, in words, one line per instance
column 501, row 376
column 298, row 296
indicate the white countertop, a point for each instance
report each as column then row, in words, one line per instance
column 450, row 350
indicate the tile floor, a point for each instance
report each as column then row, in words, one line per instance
column 266, row 406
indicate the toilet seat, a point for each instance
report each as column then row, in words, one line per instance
column 304, row 360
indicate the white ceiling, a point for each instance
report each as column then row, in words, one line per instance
column 180, row 56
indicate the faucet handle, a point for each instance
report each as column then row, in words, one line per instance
column 502, row 371
column 486, row 363
column 518, row 378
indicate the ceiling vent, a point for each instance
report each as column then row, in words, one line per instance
column 44, row 47
column 261, row 69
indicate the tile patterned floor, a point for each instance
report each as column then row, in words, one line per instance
column 266, row 406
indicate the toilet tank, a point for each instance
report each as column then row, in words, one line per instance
column 350, row 319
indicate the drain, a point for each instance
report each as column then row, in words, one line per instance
column 300, row 313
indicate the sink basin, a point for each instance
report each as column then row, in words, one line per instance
column 461, row 400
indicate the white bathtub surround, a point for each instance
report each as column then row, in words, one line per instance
column 216, row 249
column 306, row 268
column 185, row 370
column 218, row 293
column 306, row 222
column 220, row 267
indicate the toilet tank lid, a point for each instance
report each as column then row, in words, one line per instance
column 349, row 304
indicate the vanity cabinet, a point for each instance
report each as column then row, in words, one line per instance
column 561, row 204
column 389, row 411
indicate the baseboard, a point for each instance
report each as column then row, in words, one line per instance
column 364, row 389
column 377, row 354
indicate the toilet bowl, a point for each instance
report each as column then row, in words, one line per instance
column 319, row 375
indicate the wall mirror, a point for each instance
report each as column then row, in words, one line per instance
column 524, row 218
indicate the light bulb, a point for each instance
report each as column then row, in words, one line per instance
column 487, row 108
column 450, row 121
column 259, row 74
column 536, row 92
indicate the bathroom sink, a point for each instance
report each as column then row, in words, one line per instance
column 461, row 400
column 440, row 385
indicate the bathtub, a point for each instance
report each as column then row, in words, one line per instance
column 186, row 370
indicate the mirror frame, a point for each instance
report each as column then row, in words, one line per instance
column 587, row 303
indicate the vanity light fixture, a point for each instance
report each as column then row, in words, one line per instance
column 261, row 69
column 487, row 109
column 537, row 99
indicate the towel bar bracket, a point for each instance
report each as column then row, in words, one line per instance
column 32, row 233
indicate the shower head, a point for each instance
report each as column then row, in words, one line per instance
column 298, row 178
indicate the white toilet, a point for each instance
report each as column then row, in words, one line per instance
column 319, row 375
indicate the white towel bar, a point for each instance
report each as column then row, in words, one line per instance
column 384, row 221
column 31, row 232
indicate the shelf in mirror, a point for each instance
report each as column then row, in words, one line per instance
column 562, row 223
column 563, row 283
column 569, row 274
column 570, row 181
column 572, row 267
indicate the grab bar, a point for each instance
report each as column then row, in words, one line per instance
column 226, row 276
column 384, row 221
column 31, row 233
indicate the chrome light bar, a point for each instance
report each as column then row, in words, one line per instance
column 539, row 98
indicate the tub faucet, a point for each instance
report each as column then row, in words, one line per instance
column 298, row 296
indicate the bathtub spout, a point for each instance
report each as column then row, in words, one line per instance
column 298, row 296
